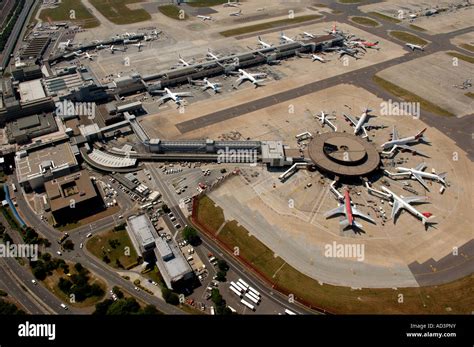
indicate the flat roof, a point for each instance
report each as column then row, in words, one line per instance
column 142, row 228
column 30, row 165
column 31, row 90
column 77, row 187
column 176, row 266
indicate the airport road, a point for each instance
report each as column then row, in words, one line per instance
column 236, row 266
column 84, row 257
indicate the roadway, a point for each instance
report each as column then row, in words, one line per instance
column 236, row 266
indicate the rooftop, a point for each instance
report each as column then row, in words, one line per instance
column 31, row 90
column 76, row 187
column 143, row 230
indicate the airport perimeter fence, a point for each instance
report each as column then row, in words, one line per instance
column 203, row 228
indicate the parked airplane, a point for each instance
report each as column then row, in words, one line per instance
column 263, row 43
column 366, row 44
column 236, row 14
column 401, row 202
column 404, row 143
column 419, row 174
column 349, row 211
column 216, row 87
column 318, row 58
column 169, row 95
column 285, row 39
column 113, row 49
column 204, row 18
column 184, row 62
column 68, row 43
column 84, row 55
column 414, row 47
column 247, row 76
column 139, row 45
column 359, row 123
column 211, row 55
column 309, row 35
column 324, row 118
column 231, row 3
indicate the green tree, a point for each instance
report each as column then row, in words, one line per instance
column 222, row 265
column 190, row 234
column 221, row 276
column 68, row 245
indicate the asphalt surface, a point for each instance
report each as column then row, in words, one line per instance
column 460, row 130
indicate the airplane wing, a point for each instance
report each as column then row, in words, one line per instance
column 420, row 167
column 183, row 94
column 335, row 211
column 352, row 120
column 421, row 180
column 394, row 134
column 414, row 199
column 356, row 212
column 239, row 81
column 395, row 209
column 164, row 98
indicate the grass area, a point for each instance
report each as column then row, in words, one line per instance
column 470, row 94
column 172, row 11
column 68, row 227
column 250, row 248
column 410, row 97
column 206, row 3
column 63, row 11
column 99, row 246
column 365, row 21
column 466, row 58
column 8, row 214
column 269, row 25
column 51, row 282
column 407, row 37
column 190, row 310
column 455, row 297
column 384, row 17
column 416, row 27
column 467, row 46
column 213, row 215
column 155, row 275
column 118, row 12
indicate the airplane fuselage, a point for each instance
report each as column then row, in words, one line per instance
column 404, row 204
column 348, row 206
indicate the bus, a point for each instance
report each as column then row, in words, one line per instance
column 232, row 309
column 244, row 283
column 251, row 290
column 241, row 286
column 252, row 298
column 213, row 312
column 250, row 306
column 291, row 313
column 236, row 292
column 232, row 284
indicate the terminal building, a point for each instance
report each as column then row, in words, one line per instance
column 170, row 261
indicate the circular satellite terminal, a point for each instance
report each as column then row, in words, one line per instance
column 343, row 154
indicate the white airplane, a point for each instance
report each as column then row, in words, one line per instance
column 318, row 58
column 414, row 47
column 139, row 45
column 349, row 211
column 169, row 95
column 231, row 3
column 419, row 174
column 183, row 62
column 400, row 202
column 309, row 35
column 84, row 55
column 216, row 87
column 246, row 76
column 68, row 43
column 211, row 55
column 404, row 143
column 285, row 39
column 113, row 49
column 359, row 123
column 236, row 14
column 204, row 18
column 324, row 118
column 263, row 43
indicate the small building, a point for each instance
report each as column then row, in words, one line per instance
column 273, row 154
column 142, row 234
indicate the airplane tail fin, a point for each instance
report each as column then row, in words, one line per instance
column 344, row 223
column 420, row 134
column 442, row 175
column 427, row 222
